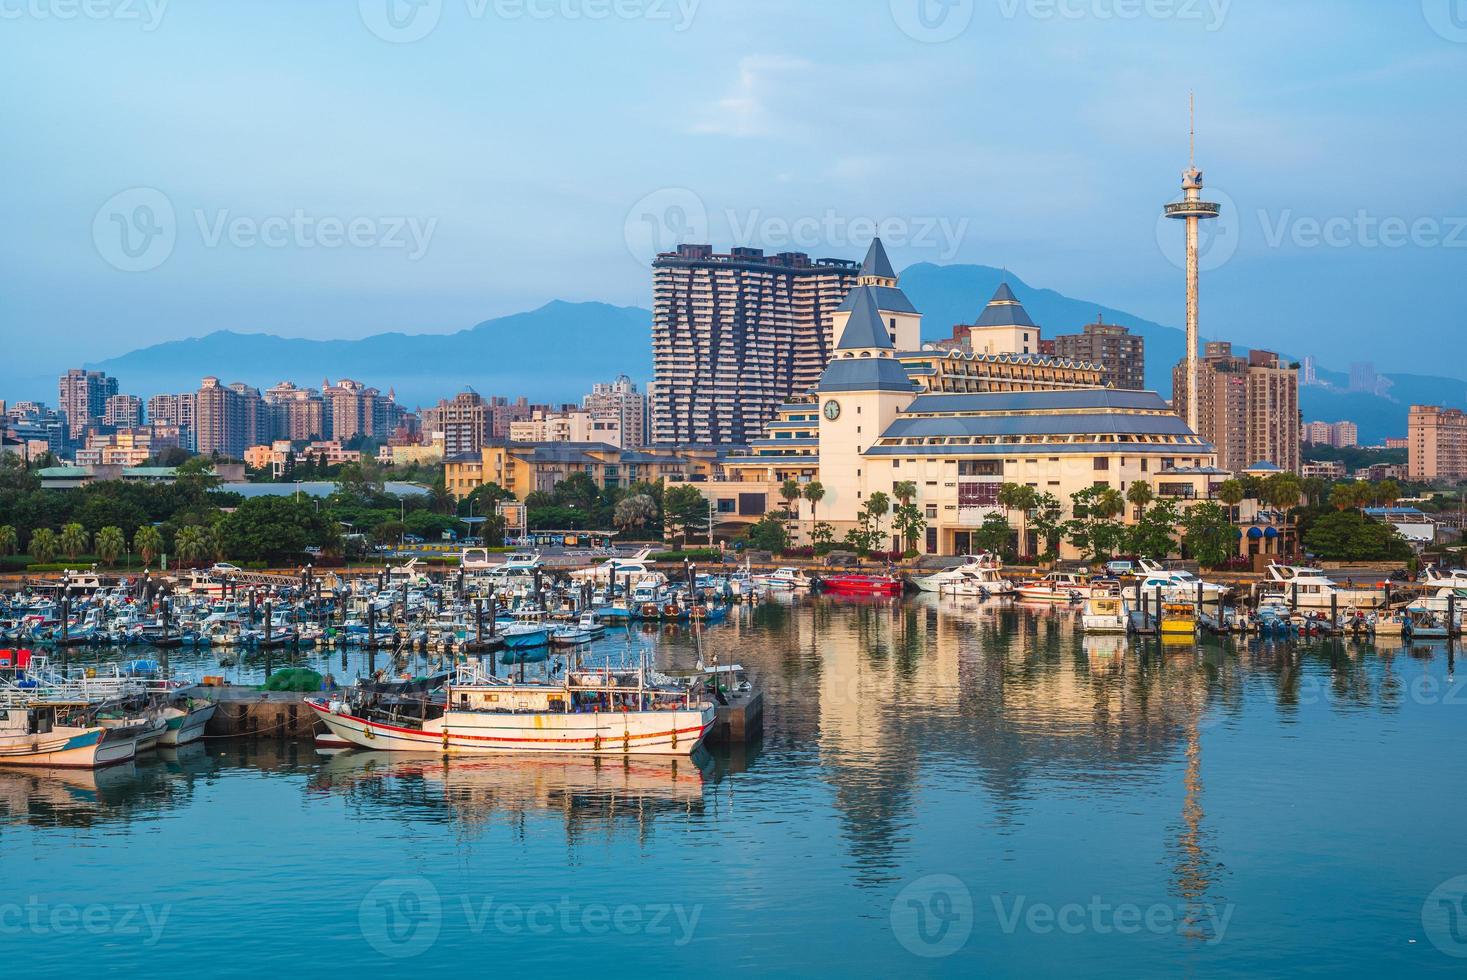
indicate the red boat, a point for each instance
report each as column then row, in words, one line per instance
column 853, row 584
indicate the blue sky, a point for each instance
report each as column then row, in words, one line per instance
column 318, row 169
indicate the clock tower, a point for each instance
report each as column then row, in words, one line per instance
column 861, row 392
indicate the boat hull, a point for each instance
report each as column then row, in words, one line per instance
column 67, row 748
column 481, row 733
column 186, row 726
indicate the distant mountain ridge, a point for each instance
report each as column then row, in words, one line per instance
column 556, row 352
column 553, row 353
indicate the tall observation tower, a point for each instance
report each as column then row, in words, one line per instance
column 1193, row 209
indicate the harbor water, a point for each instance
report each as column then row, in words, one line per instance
column 942, row 785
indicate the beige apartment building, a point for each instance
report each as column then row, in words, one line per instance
column 1247, row 407
column 1436, row 444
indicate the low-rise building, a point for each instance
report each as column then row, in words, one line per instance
column 1325, row 469
column 525, row 468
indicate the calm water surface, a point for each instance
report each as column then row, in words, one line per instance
column 942, row 786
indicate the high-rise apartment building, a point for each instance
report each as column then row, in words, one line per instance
column 219, row 424
column 175, row 410
column 1120, row 354
column 353, row 409
column 1341, row 435
column 82, row 398
column 123, row 411
column 620, row 400
column 734, row 335
column 465, row 421
column 1436, row 444
column 295, row 414
column 1248, row 407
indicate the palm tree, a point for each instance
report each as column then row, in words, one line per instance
column 876, row 507
column 1282, row 492
column 110, row 544
column 1109, row 504
column 814, row 492
column 1389, row 492
column 1342, row 496
column 439, row 498
column 147, row 541
column 1021, row 498
column 1231, row 493
column 214, row 541
column 73, row 540
column 1140, row 496
column 191, row 543
column 9, row 540
column 43, row 544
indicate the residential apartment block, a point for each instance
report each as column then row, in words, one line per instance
column 1247, row 407
column 1342, row 435
column 82, row 398
column 620, row 400
column 1436, row 447
column 734, row 335
column 1120, row 354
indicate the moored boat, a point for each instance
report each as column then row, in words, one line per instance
column 858, row 584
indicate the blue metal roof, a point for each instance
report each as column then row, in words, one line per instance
column 888, row 299
column 1035, row 401
column 865, row 328
column 865, row 374
column 877, row 264
column 1096, row 423
column 1043, row 449
column 1004, row 310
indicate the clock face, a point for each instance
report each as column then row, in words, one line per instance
column 832, row 410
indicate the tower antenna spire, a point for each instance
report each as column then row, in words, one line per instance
column 1192, row 129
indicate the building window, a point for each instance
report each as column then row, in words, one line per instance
column 1102, row 462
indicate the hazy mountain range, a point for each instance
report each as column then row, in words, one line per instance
column 556, row 352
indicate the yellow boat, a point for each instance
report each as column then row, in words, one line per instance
column 1178, row 618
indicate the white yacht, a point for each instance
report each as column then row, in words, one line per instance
column 785, row 580
column 976, row 575
column 1310, row 588
column 1055, row 587
column 1106, row 612
column 1178, row 585
column 624, row 569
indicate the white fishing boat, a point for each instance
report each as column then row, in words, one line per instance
column 1178, row 585
column 598, row 712
column 1310, row 588
column 1106, row 612
column 785, row 580
column 1055, row 587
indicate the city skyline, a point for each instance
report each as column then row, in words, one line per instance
column 1087, row 168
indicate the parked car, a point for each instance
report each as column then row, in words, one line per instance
column 1120, row 567
column 224, row 568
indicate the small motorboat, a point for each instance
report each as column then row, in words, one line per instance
column 858, row 584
